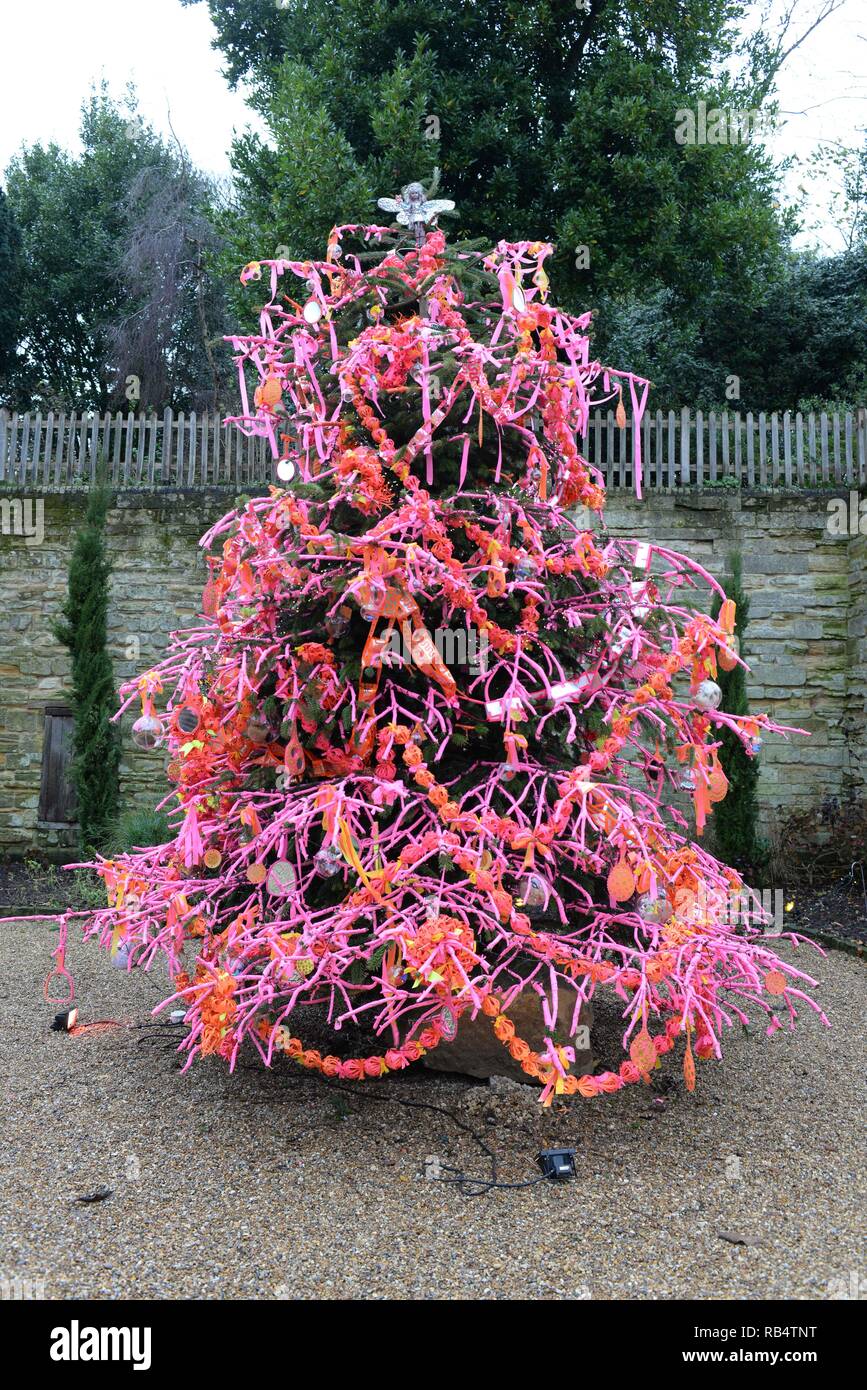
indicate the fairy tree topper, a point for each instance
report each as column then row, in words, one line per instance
column 414, row 208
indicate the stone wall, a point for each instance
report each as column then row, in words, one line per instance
column 807, row 640
column 156, row 587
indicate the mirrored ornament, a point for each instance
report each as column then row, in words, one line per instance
column 755, row 746
column 328, row 861
column 708, row 695
column 371, row 599
column 687, row 780
column 448, row 1024
column 148, row 732
column 337, row 624
column 188, row 719
column 524, row 568
column 120, row 957
column 653, row 909
column 532, row 894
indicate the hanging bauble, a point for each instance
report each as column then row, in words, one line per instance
column 328, row 861
column 148, row 731
column 755, row 746
column 271, row 391
column 533, row 892
column 687, row 780
column 448, row 1024
column 312, row 311
column 524, row 567
column 708, row 695
column 285, row 470
column 727, row 656
column 336, row 624
column 621, row 881
column 717, row 784
column 653, row 909
column 187, row 719
column 120, row 956
column 257, row 729
column 281, row 879
column 371, row 599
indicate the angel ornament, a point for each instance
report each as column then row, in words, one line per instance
column 413, row 208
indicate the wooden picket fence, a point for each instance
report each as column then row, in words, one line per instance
column 679, row 449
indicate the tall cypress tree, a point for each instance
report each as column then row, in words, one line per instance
column 10, row 285
column 82, row 629
column 736, row 818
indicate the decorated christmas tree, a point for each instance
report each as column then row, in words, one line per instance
column 427, row 743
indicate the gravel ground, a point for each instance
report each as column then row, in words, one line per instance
column 273, row 1185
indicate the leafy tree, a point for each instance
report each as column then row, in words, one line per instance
column 113, row 245
column 804, row 340
column 546, row 120
column 736, row 817
column 10, row 285
column 82, row 628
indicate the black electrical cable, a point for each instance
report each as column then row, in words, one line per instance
column 462, row 1181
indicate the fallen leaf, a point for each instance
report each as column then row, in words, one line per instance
column 737, row 1240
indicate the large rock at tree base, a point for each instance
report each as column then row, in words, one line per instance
column 476, row 1050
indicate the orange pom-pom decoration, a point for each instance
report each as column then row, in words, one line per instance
column 621, row 881
column 271, row 391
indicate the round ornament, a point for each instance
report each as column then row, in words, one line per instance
column 533, row 893
column 328, row 861
column 148, row 732
column 271, row 391
column 708, row 695
column 653, row 909
column 621, row 881
column 188, row 719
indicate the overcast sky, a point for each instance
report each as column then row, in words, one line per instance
column 54, row 49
